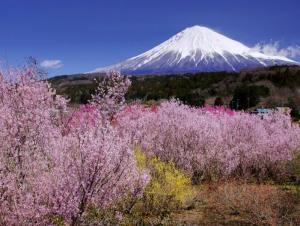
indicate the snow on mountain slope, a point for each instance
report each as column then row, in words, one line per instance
column 196, row 49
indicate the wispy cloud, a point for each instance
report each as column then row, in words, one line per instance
column 273, row 48
column 51, row 64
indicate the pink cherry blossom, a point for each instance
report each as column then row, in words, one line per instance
column 53, row 164
column 212, row 140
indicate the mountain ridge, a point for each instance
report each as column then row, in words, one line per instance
column 196, row 49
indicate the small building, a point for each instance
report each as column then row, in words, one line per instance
column 284, row 110
column 263, row 110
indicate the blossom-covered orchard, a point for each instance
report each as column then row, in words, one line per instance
column 213, row 141
column 56, row 164
column 51, row 168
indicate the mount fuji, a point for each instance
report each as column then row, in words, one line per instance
column 196, row 49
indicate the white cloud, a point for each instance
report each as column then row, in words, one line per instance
column 51, row 64
column 273, row 48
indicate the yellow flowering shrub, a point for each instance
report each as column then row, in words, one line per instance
column 168, row 189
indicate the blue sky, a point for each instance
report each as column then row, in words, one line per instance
column 79, row 36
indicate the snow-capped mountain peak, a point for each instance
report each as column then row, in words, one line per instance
column 196, row 49
column 203, row 39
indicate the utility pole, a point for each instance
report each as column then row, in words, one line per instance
column 248, row 99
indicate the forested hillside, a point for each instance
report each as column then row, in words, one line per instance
column 264, row 87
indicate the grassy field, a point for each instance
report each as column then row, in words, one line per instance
column 238, row 203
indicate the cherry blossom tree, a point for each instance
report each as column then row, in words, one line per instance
column 50, row 169
column 100, row 170
column 29, row 110
column 110, row 93
column 213, row 141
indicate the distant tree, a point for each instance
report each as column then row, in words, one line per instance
column 219, row 101
column 193, row 99
column 295, row 110
column 32, row 62
column 245, row 97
